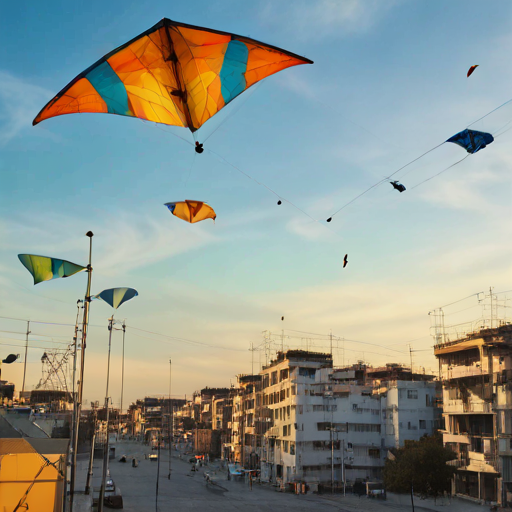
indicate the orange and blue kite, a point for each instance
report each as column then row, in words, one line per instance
column 173, row 73
column 191, row 211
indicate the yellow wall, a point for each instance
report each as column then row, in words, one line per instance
column 17, row 471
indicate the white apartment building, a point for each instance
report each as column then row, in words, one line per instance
column 332, row 426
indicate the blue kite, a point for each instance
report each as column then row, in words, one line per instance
column 471, row 140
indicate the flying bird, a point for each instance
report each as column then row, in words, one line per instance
column 345, row 260
column 282, row 318
column 471, row 69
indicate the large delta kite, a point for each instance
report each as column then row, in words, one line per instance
column 173, row 73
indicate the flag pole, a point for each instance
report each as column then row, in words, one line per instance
column 85, row 323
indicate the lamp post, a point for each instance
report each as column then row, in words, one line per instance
column 122, row 384
column 106, row 443
column 42, row 269
column 114, row 297
column 171, row 418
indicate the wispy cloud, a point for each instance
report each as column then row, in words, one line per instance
column 19, row 103
column 461, row 190
column 123, row 241
column 315, row 19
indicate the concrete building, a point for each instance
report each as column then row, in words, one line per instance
column 336, row 425
column 476, row 372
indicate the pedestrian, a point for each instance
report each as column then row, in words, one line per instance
column 250, row 480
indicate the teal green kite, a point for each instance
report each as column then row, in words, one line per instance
column 116, row 296
column 44, row 268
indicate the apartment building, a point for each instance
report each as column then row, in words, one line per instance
column 476, row 373
column 336, row 425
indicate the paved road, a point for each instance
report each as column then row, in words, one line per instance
column 188, row 490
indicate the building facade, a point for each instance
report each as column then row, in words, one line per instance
column 476, row 373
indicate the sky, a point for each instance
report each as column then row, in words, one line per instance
column 388, row 83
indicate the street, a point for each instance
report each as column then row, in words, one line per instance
column 187, row 490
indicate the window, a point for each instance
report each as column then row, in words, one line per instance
column 293, row 389
column 423, row 424
column 299, row 409
column 363, row 427
column 285, row 446
column 374, row 453
column 288, row 411
column 277, row 414
column 285, row 430
column 412, row 393
column 354, row 407
column 292, row 448
column 274, row 378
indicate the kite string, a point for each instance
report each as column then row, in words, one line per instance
column 449, row 167
column 234, row 110
column 489, row 113
column 385, row 179
column 227, row 162
column 260, row 183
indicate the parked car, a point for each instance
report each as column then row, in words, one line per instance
column 153, row 456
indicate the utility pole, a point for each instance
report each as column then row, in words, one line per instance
column 106, row 446
column 25, row 363
column 330, row 336
column 74, row 417
column 91, row 459
column 343, row 465
column 171, row 419
column 492, row 312
column 410, row 356
column 85, row 324
column 122, row 384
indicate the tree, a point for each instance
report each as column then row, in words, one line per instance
column 420, row 466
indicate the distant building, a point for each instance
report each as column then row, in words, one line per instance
column 476, row 372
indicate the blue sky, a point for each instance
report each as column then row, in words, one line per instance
column 389, row 82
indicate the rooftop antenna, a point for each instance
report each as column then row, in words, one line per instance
column 282, row 337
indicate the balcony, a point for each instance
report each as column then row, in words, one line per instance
column 456, row 438
column 458, row 372
column 472, row 407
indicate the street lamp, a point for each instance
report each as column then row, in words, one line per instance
column 114, row 297
column 42, row 269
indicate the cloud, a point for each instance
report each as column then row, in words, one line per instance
column 123, row 241
column 19, row 103
column 324, row 18
column 462, row 189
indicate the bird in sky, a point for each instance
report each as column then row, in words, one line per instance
column 345, row 260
